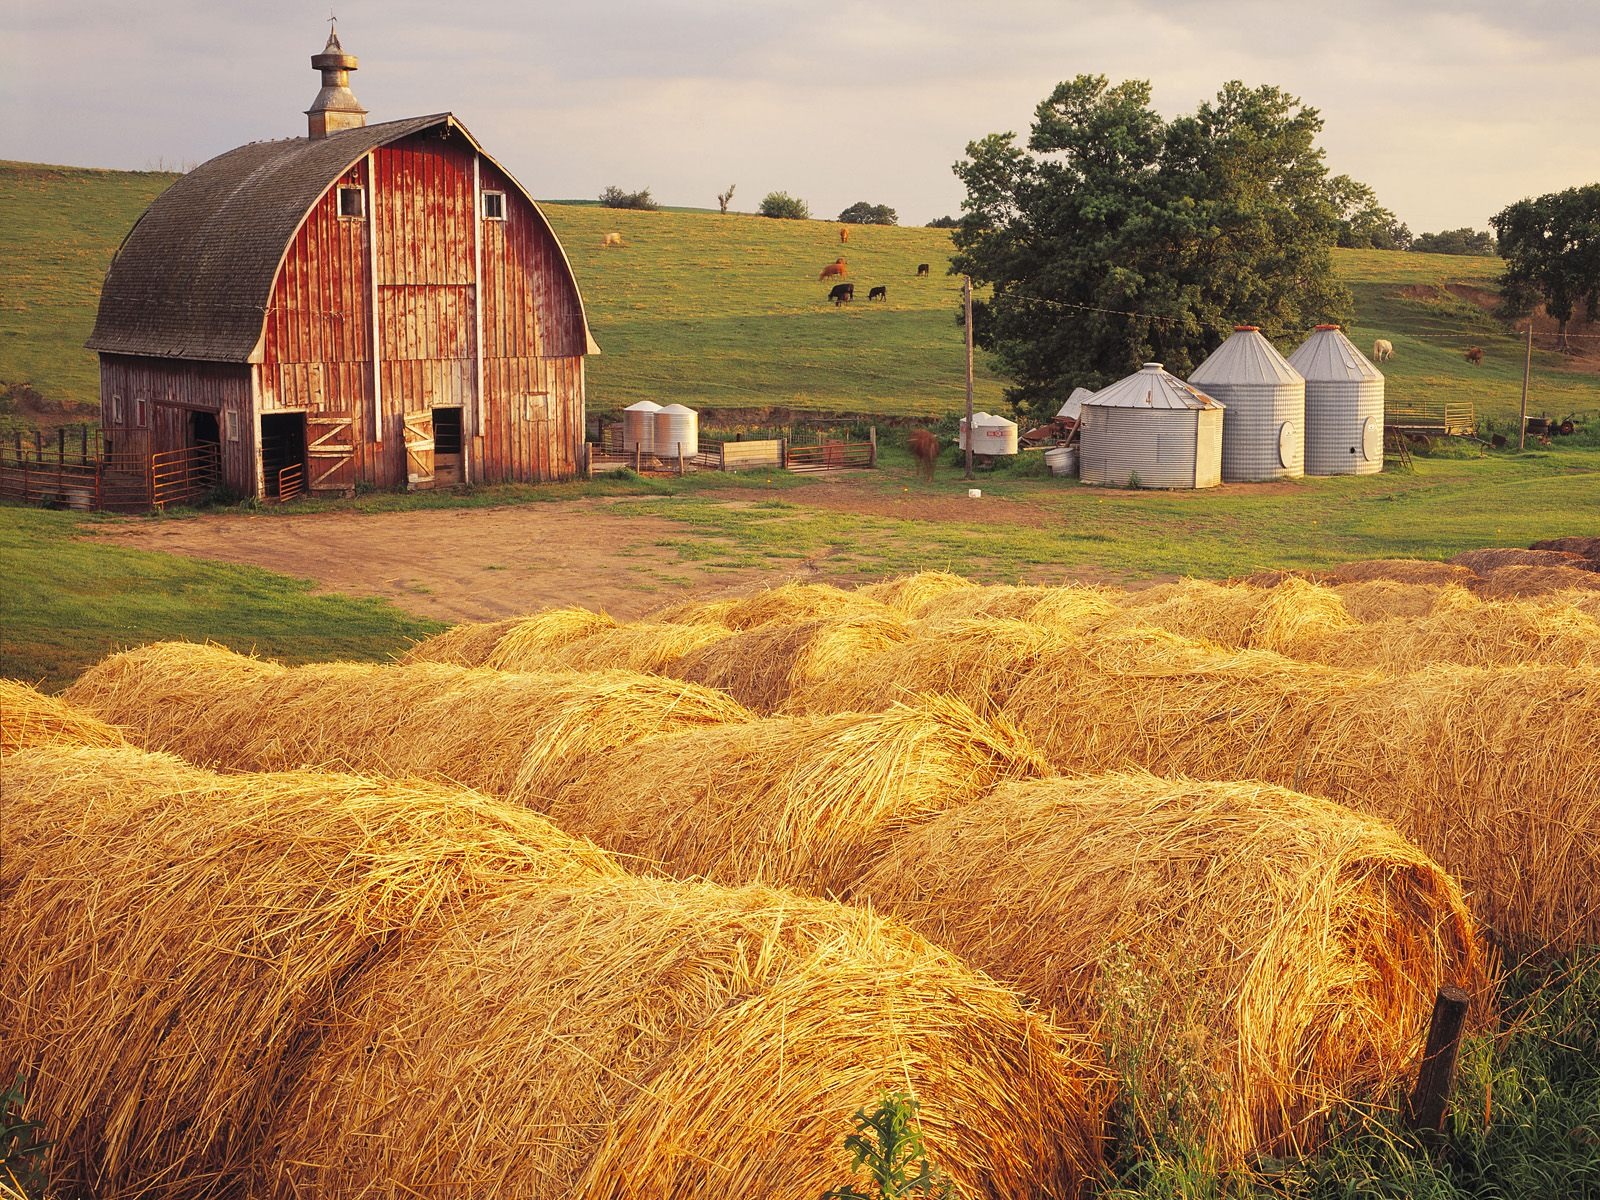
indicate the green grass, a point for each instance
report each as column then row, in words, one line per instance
column 67, row 603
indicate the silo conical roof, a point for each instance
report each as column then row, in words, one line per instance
column 1151, row 387
column 1328, row 356
column 1246, row 358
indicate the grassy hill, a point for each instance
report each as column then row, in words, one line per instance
column 727, row 312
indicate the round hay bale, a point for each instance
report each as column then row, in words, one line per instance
column 176, row 696
column 466, row 645
column 1283, row 618
column 1376, row 599
column 762, row 667
column 1398, row 570
column 647, row 646
column 28, row 717
column 1481, row 562
column 1584, row 547
column 913, row 594
column 642, row 1039
column 1262, row 956
column 1466, row 631
column 1041, row 604
column 527, row 645
column 787, row 604
column 1510, row 582
column 800, row 802
column 174, row 943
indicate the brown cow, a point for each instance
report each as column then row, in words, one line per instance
column 611, row 239
column 1475, row 356
column 925, row 449
column 844, row 233
column 836, row 267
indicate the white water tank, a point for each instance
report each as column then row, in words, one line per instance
column 677, row 431
column 1263, row 433
column 990, row 434
column 639, row 427
column 1344, row 405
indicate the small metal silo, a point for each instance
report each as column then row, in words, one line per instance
column 1344, row 405
column 991, row 434
column 1264, row 431
column 677, row 431
column 639, row 427
column 1151, row 430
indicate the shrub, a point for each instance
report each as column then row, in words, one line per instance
column 615, row 197
column 783, row 205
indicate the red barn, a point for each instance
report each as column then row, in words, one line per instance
column 379, row 305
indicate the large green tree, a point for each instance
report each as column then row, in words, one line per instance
column 1551, row 245
column 1115, row 237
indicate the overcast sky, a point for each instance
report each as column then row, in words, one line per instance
column 1450, row 111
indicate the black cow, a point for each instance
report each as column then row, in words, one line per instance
column 842, row 293
column 878, row 293
column 922, row 268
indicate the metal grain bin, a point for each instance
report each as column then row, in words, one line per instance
column 1263, row 434
column 1151, row 430
column 677, row 432
column 991, row 434
column 1344, row 405
column 639, row 427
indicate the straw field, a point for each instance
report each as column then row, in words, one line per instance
column 30, row 718
column 1267, row 955
column 648, row 1038
column 466, row 645
column 802, row 802
column 174, row 941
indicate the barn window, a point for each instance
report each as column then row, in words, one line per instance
column 494, row 206
column 352, row 202
column 230, row 424
column 116, row 410
column 141, row 410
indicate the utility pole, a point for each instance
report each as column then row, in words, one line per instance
column 966, row 308
column 1527, row 366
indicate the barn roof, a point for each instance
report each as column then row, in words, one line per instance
column 194, row 275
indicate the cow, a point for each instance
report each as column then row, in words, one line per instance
column 925, row 449
column 1382, row 350
column 836, row 267
column 1475, row 356
column 611, row 239
column 879, row 293
column 922, row 268
column 844, row 233
column 842, row 293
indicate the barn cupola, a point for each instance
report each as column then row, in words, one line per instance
column 335, row 107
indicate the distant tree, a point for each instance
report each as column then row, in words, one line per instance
column 783, row 205
column 615, row 197
column 862, row 213
column 1364, row 224
column 1115, row 238
column 1552, row 250
column 723, row 199
column 1455, row 241
column 942, row 223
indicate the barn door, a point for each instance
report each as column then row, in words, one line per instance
column 418, row 436
column 330, row 452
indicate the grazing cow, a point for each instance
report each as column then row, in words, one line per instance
column 611, row 239
column 879, row 293
column 844, row 233
column 836, row 267
column 1475, row 356
column 925, row 449
column 842, row 293
column 1382, row 350
column 922, row 268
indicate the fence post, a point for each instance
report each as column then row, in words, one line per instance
column 872, row 436
column 1426, row 1106
column 680, row 458
column 783, row 453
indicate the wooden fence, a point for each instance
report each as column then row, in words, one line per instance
column 1453, row 418
column 77, row 473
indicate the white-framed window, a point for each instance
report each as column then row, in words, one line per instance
column 141, row 412
column 230, row 425
column 494, row 206
column 116, row 410
column 352, row 203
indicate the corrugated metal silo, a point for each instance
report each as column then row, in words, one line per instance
column 1263, row 434
column 1344, row 405
column 677, row 431
column 1151, row 430
column 639, row 427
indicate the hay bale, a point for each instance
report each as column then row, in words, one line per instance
column 650, row 647
column 1398, row 570
column 1041, row 604
column 762, row 667
column 787, row 604
column 913, row 594
column 466, row 645
column 1284, row 618
column 801, row 802
column 1481, row 562
column 1584, row 547
column 1375, row 599
column 28, row 717
column 1268, row 955
column 1509, row 582
column 528, row 643
column 648, row 1038
column 174, row 943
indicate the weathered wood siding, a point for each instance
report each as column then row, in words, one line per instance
column 170, row 389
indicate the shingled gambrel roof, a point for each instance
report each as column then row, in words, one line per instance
column 194, row 275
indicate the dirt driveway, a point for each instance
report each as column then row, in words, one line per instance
column 463, row 564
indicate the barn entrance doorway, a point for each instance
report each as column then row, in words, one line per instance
column 283, row 454
column 447, row 447
column 203, row 429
